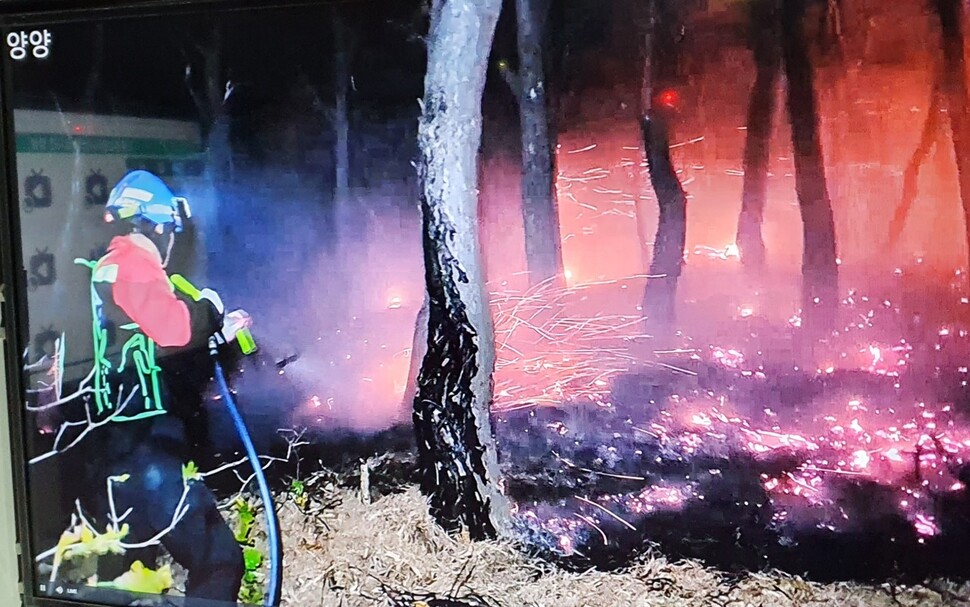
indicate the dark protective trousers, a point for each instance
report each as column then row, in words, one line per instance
column 200, row 541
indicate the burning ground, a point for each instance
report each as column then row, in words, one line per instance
column 731, row 466
column 740, row 445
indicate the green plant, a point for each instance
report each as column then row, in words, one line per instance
column 252, row 589
column 299, row 493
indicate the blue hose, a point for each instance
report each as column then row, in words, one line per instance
column 272, row 523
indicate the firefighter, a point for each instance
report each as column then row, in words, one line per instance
column 149, row 394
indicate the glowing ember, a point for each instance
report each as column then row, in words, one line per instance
column 548, row 357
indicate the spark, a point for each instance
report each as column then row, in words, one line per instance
column 605, row 510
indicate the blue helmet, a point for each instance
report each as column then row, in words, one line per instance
column 142, row 196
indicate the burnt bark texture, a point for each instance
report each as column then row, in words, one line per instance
column 666, row 264
column 954, row 89
column 766, row 48
column 540, row 209
column 458, row 465
column 820, row 279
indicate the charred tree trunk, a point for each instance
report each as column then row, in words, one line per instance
column 540, row 209
column 766, row 47
column 456, row 453
column 955, row 93
column 928, row 138
column 660, row 294
column 819, row 261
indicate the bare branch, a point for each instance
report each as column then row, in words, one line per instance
column 82, row 390
column 90, row 426
column 181, row 509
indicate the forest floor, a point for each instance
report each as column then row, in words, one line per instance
column 390, row 552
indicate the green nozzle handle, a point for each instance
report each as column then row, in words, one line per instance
column 246, row 342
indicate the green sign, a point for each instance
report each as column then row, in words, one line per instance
column 45, row 143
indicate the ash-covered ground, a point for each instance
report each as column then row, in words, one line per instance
column 739, row 445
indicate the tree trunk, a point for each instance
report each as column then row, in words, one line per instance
column 97, row 65
column 928, row 138
column 540, row 212
column 641, row 207
column 341, row 123
column 761, row 110
column 660, row 294
column 216, row 127
column 955, row 94
column 456, row 453
column 819, row 265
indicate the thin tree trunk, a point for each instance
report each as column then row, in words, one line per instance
column 456, row 453
column 955, row 93
column 216, row 128
column 932, row 128
column 540, row 212
column 97, row 65
column 646, row 103
column 819, row 265
column 660, row 294
column 761, row 111
column 341, row 119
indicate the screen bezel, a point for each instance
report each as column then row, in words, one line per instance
column 13, row 275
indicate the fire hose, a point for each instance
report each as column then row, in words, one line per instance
column 246, row 343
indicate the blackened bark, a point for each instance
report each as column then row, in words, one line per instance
column 951, row 14
column 766, row 47
column 457, row 462
column 928, row 138
column 819, row 261
column 659, row 300
column 540, row 209
column 667, row 261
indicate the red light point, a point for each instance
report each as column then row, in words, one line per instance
column 669, row 98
